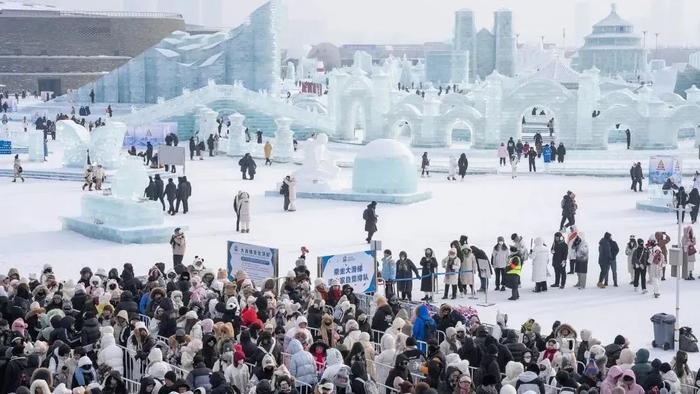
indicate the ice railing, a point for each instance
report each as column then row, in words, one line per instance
column 262, row 102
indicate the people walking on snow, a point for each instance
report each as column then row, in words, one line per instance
column 184, row 192
column 388, row 273
column 568, row 211
column 502, row 155
column 179, row 246
column 628, row 137
column 17, row 170
column 158, row 189
column 547, row 154
column 241, row 205
column 519, row 148
column 531, row 156
column 510, row 147
column 637, row 175
column 463, row 165
column 425, row 165
column 452, row 169
column 99, row 177
column 561, row 152
column 630, row 247
column 370, row 217
column 89, row 178
column 248, row 166
column 514, row 159
column 289, row 191
column 694, row 201
column 662, row 240
column 267, row 150
column 258, row 136
column 210, row 145
column 607, row 255
column 560, row 252
column 170, row 194
column 689, row 243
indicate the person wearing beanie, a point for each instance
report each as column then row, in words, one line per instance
column 613, row 350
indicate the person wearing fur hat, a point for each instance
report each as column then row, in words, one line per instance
column 613, row 350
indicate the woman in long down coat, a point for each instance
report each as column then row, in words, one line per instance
column 540, row 262
column 428, row 265
column 242, row 206
column 467, row 268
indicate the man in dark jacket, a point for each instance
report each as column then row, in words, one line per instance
column 654, row 378
column 149, row 153
column 447, row 317
column 604, row 258
column 127, row 303
column 184, row 191
column 641, row 367
column 14, row 367
column 568, row 210
column 371, row 218
column 489, row 364
column 159, row 189
column 514, row 346
column 560, row 251
column 383, row 317
column 561, row 152
column 531, row 156
column 193, row 147
column 171, row 194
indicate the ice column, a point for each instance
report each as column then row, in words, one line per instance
column 284, row 141
column 587, row 98
column 236, row 136
column 492, row 114
column 36, row 145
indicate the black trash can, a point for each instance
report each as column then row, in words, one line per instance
column 663, row 330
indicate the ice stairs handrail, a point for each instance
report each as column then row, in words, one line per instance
column 255, row 101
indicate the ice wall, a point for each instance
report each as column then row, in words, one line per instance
column 385, row 166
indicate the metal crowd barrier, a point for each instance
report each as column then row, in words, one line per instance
column 131, row 385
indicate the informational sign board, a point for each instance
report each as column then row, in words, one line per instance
column 664, row 167
column 5, row 147
column 154, row 133
column 171, row 155
column 258, row 262
column 358, row 270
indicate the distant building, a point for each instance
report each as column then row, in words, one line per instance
column 613, row 47
column 47, row 49
column 447, row 67
column 489, row 51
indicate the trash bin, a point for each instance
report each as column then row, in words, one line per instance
column 663, row 330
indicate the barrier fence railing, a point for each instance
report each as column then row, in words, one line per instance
column 131, row 385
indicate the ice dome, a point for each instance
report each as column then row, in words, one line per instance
column 385, row 166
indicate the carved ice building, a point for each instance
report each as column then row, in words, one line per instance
column 248, row 53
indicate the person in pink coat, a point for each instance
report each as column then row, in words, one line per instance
column 611, row 380
column 502, row 155
column 629, row 383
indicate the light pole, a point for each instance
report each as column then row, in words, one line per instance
column 680, row 211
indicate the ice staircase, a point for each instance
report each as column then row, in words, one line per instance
column 261, row 110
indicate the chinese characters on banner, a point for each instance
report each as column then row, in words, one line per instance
column 259, row 262
column 664, row 167
column 355, row 269
column 154, row 133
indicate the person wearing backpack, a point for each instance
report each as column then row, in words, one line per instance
column 360, row 383
column 424, row 327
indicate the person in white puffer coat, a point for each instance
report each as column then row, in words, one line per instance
column 452, row 169
column 176, row 297
column 302, row 366
column 334, row 363
column 384, row 362
column 157, row 368
column 513, row 371
column 540, row 262
column 188, row 353
column 110, row 354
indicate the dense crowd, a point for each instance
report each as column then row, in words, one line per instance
column 195, row 329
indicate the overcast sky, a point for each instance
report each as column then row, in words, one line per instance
column 417, row 21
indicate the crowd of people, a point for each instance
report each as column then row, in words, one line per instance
column 198, row 329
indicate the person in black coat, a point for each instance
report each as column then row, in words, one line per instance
column 171, row 194
column 17, row 364
column 516, row 348
column 681, row 199
column 193, row 147
column 127, row 303
column 429, row 266
column 604, row 257
column 404, row 281
column 158, row 190
column 560, row 252
column 149, row 153
column 370, row 217
column 258, row 136
column 637, row 176
column 462, row 165
column 561, row 152
column 694, row 199
column 210, row 144
column 383, row 317
column 400, row 370
column 489, row 365
column 248, row 166
column 531, row 156
column 184, row 191
column 447, row 317
column 568, row 211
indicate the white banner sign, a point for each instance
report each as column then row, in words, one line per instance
column 171, row 155
column 355, row 269
column 258, row 262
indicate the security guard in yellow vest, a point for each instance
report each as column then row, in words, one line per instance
column 513, row 271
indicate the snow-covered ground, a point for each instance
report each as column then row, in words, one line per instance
column 482, row 207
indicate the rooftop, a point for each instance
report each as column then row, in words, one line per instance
column 613, row 19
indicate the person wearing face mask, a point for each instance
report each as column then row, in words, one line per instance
column 560, row 251
column 400, row 370
column 429, row 266
column 499, row 260
column 404, row 268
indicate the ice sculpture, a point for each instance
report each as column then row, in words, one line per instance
column 36, row 145
column 319, row 171
column 284, row 141
column 236, row 136
column 104, row 144
column 124, row 216
column 385, row 166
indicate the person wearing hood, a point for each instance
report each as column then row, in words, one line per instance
column 358, row 378
column 641, row 367
column 388, row 273
column 489, row 364
column 540, row 264
column 157, row 368
column 429, row 266
column 13, row 368
column 385, row 360
column 218, row 384
column 400, row 370
column 513, row 371
column 267, row 345
column 85, row 373
column 370, row 217
column 467, row 266
column 302, row 365
column 560, row 251
column 611, row 380
column 529, row 381
column 629, row 383
column 424, row 327
column 199, row 375
column 516, row 348
column 140, row 342
column 499, row 260
column 579, row 249
column 110, row 354
column 450, row 344
column 114, row 384
column 404, row 269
